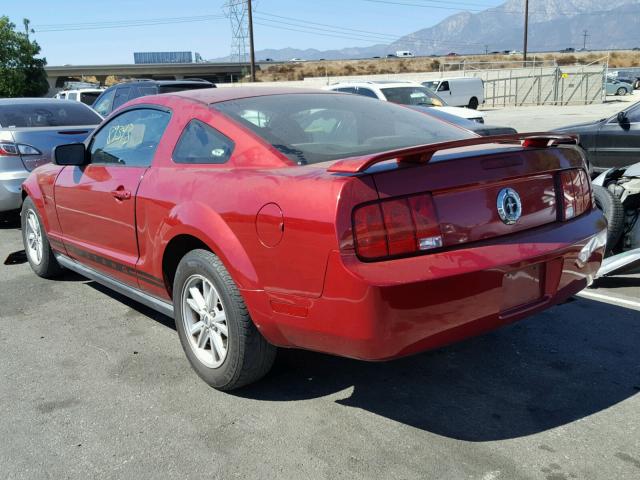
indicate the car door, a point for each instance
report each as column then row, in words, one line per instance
column 618, row 144
column 96, row 202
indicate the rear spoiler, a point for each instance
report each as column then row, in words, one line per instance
column 424, row 153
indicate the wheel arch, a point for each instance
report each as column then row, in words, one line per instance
column 198, row 226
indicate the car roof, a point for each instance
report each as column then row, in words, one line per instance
column 380, row 83
column 32, row 101
column 215, row 95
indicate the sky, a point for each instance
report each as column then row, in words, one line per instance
column 73, row 32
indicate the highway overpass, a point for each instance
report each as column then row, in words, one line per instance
column 214, row 72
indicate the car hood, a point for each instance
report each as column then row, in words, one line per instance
column 462, row 112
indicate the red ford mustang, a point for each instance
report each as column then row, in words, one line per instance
column 298, row 218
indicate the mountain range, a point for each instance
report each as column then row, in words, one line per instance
column 553, row 25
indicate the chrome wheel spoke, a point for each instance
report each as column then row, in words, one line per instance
column 218, row 345
column 198, row 299
column 222, row 328
column 196, row 327
column 205, row 321
column 33, row 237
column 203, row 337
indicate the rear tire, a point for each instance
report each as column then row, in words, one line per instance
column 36, row 244
column 217, row 334
column 473, row 103
column 621, row 91
column 613, row 212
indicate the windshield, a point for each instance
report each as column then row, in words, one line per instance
column 312, row 128
column 432, row 85
column 412, row 96
column 57, row 113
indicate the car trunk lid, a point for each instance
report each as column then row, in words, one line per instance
column 44, row 139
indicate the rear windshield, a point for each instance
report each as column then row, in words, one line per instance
column 412, row 96
column 180, row 88
column 312, row 128
column 89, row 97
column 59, row 114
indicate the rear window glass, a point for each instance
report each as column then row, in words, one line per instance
column 412, row 96
column 312, row 128
column 58, row 114
column 180, row 88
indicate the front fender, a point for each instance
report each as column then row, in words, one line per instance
column 40, row 188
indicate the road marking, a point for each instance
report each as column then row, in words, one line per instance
column 621, row 302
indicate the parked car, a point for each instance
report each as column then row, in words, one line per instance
column 299, row 218
column 616, row 87
column 405, row 93
column 627, row 76
column 29, row 129
column 88, row 96
column 117, row 95
column 475, row 127
column 610, row 142
column 616, row 193
column 458, row 91
column 404, row 54
column 568, row 50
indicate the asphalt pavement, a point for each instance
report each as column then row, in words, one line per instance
column 93, row 385
column 548, row 117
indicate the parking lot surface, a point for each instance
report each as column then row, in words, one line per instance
column 93, row 385
column 548, row 117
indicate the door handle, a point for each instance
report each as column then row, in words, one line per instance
column 121, row 194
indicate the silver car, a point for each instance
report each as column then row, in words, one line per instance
column 29, row 129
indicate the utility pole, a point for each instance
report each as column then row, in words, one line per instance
column 486, row 49
column 526, row 28
column 252, row 52
column 584, row 43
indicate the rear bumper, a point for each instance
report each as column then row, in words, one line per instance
column 383, row 310
column 11, row 189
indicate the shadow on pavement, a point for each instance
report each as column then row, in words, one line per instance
column 541, row 373
column 545, row 372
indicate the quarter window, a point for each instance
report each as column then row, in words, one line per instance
column 130, row 139
column 202, row 144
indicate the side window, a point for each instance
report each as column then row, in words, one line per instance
column 634, row 115
column 200, row 143
column 122, row 95
column 346, row 89
column 130, row 139
column 367, row 92
column 62, row 96
column 103, row 104
column 72, row 96
column 134, row 93
column 444, row 87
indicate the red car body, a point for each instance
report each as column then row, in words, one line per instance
column 285, row 233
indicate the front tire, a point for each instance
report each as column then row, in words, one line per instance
column 473, row 103
column 36, row 244
column 217, row 334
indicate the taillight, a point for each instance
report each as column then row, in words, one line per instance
column 396, row 227
column 575, row 191
column 15, row 149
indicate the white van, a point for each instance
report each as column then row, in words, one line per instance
column 460, row 91
column 404, row 54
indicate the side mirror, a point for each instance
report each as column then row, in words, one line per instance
column 622, row 117
column 71, row 154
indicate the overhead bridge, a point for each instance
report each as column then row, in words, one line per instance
column 214, row 72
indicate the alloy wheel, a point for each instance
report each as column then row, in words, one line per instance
column 205, row 321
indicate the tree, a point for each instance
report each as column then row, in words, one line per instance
column 21, row 73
